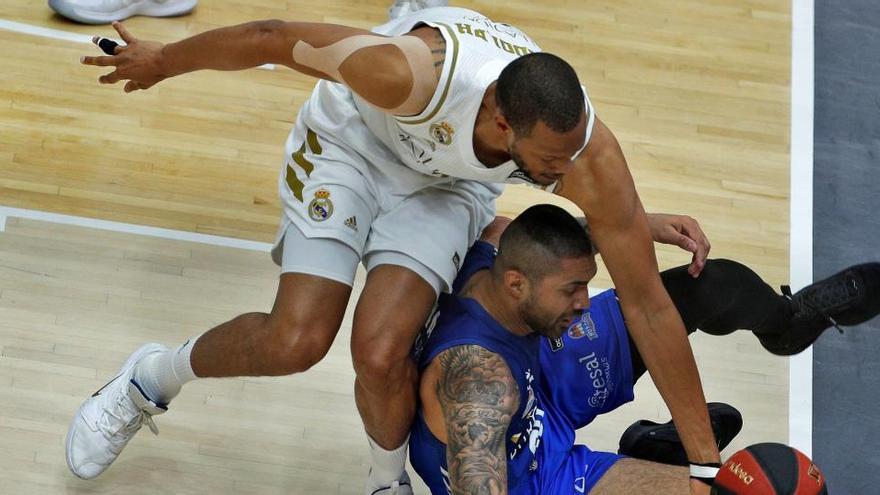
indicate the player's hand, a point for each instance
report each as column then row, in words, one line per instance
column 138, row 62
column 699, row 488
column 492, row 232
column 684, row 232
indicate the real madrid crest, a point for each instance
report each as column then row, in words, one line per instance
column 441, row 132
column 321, row 208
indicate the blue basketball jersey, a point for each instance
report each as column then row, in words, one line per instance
column 462, row 321
column 588, row 371
column 563, row 385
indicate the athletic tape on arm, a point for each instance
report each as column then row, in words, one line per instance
column 328, row 59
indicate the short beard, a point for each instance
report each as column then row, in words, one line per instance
column 538, row 321
column 519, row 162
column 521, row 165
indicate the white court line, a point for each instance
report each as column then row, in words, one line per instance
column 128, row 228
column 20, row 27
column 800, row 383
column 177, row 235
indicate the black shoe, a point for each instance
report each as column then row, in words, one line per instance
column 849, row 297
column 657, row 442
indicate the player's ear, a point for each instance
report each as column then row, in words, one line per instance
column 516, row 284
column 501, row 121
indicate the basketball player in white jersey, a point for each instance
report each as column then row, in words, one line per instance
column 395, row 161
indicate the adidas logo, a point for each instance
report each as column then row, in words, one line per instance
column 352, row 223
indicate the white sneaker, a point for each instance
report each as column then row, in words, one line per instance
column 404, row 7
column 401, row 8
column 427, row 4
column 107, row 420
column 403, row 486
column 107, row 11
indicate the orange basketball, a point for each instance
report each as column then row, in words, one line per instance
column 769, row 469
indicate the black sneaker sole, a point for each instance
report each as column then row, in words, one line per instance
column 659, row 442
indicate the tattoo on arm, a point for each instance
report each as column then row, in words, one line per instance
column 438, row 50
column 478, row 396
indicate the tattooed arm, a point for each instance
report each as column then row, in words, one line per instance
column 478, row 396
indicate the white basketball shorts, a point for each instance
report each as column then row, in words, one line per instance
column 384, row 214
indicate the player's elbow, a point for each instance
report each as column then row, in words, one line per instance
column 270, row 36
column 267, row 29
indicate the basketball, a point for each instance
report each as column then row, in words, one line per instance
column 769, row 469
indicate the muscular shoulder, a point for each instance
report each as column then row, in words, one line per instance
column 476, row 384
column 600, row 182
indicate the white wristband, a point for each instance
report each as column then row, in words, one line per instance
column 698, row 471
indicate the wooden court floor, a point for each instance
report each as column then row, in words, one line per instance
column 697, row 91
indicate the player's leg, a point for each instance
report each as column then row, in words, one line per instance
column 308, row 310
column 318, row 254
column 413, row 253
column 729, row 296
column 580, row 470
column 636, row 477
column 295, row 335
column 393, row 307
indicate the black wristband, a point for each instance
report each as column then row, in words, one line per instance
column 706, row 481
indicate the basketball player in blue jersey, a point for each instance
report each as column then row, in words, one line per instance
column 395, row 161
column 518, row 358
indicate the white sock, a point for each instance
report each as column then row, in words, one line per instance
column 386, row 466
column 162, row 374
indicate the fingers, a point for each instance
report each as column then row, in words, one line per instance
column 111, row 78
column 686, row 243
column 699, row 245
column 697, row 262
column 701, row 254
column 692, row 229
column 696, row 267
column 106, row 45
column 98, row 61
column 123, row 32
column 131, row 86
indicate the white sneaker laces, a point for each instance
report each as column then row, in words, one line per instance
column 121, row 420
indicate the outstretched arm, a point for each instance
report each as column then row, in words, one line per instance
column 676, row 230
column 602, row 187
column 478, row 396
column 395, row 73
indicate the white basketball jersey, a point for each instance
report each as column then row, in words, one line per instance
column 438, row 142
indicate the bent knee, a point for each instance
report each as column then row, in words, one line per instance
column 378, row 366
column 297, row 346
